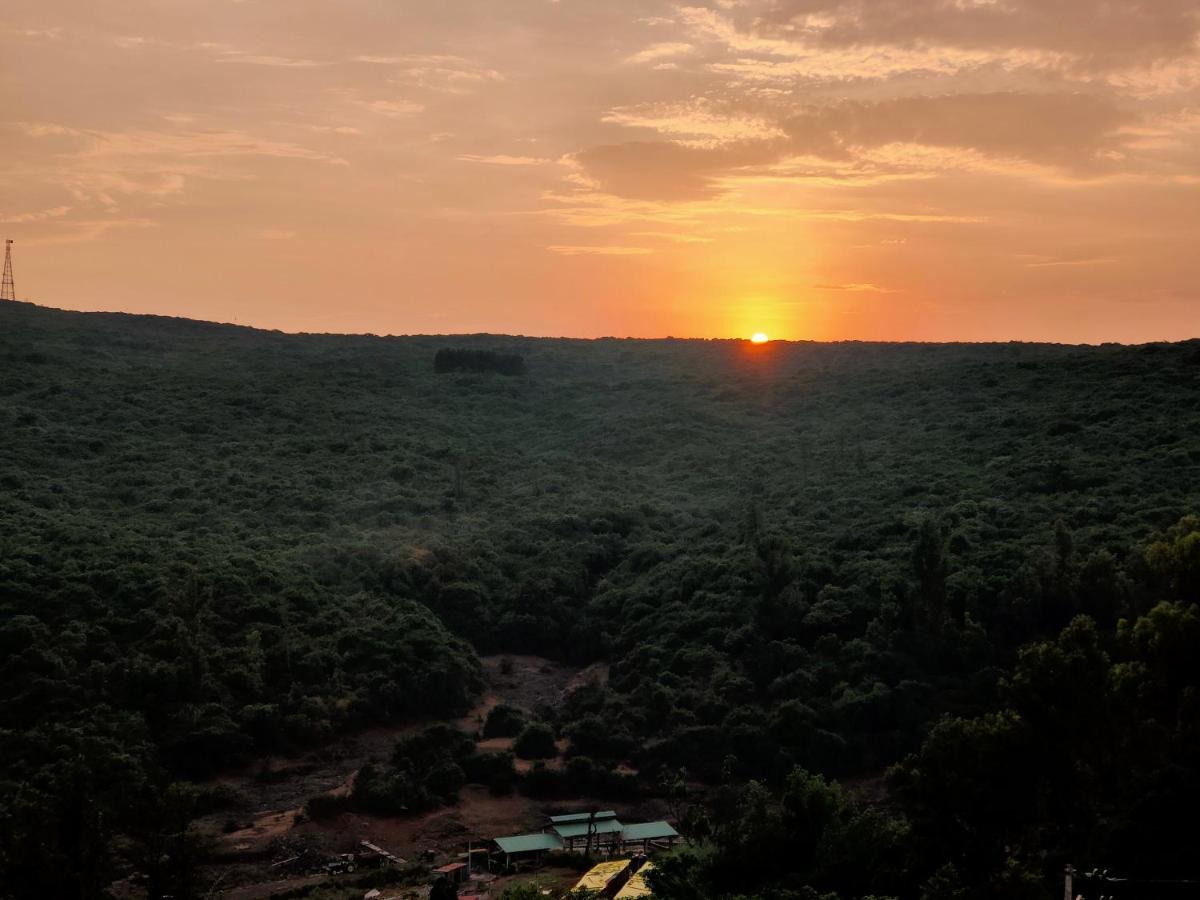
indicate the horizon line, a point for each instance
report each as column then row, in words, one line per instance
column 611, row 337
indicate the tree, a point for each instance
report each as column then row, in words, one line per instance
column 1174, row 558
column 929, row 568
column 503, row 721
column 536, row 741
column 972, row 786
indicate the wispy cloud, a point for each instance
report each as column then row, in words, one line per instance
column 101, row 167
column 504, row 160
column 39, row 216
column 569, row 250
column 391, row 109
column 279, row 62
column 1070, row 262
column 85, row 230
column 696, row 122
column 855, row 288
column 436, row 72
column 659, row 52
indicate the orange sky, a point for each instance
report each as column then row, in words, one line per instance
column 872, row 169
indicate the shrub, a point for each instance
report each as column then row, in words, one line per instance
column 503, row 721
column 458, row 360
column 536, row 741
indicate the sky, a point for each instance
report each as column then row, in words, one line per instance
column 969, row 170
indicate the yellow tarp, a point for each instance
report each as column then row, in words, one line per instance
column 637, row 887
column 599, row 876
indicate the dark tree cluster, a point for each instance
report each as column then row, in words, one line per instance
column 461, row 360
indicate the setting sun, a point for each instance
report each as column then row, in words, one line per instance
column 759, row 338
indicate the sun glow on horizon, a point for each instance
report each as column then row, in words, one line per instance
column 759, row 338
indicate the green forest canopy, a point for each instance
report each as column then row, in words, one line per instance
column 798, row 558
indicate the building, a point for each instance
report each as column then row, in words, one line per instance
column 577, row 818
column 588, row 832
column 598, row 832
column 455, row 873
column 526, row 847
column 380, row 856
column 647, row 836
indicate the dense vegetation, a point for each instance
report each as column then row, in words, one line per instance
column 449, row 360
column 973, row 564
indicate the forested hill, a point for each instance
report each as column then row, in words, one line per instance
column 217, row 542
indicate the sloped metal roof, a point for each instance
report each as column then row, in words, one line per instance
column 526, row 843
column 648, row 831
column 569, row 818
column 608, row 826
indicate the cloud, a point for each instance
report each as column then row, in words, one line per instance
column 1062, row 129
column 785, row 66
column 675, row 237
column 50, row 34
column 697, row 122
column 279, row 62
column 1050, row 262
column 855, row 288
column 867, row 139
column 878, row 215
column 84, row 230
column 335, row 129
column 503, row 160
column 599, row 251
column 100, row 167
column 437, row 72
column 39, row 216
column 659, row 52
column 391, row 109
column 663, row 170
column 1114, row 32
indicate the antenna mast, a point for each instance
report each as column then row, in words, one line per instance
column 7, row 291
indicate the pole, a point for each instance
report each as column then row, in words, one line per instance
column 8, row 290
column 1068, row 882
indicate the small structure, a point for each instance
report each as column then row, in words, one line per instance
column 7, row 290
column 577, row 818
column 606, row 878
column 649, row 835
column 381, row 857
column 455, row 873
column 594, row 832
column 594, row 835
column 527, row 846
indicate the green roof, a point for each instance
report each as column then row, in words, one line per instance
column 569, row 818
column 608, row 826
column 527, row 843
column 648, row 831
